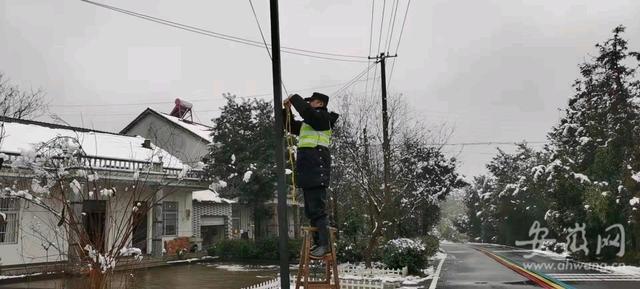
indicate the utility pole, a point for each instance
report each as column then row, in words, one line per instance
column 386, row 147
column 283, row 227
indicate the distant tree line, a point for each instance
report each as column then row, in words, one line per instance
column 589, row 173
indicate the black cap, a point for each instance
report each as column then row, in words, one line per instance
column 316, row 95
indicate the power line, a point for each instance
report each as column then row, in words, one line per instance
column 194, row 100
column 249, row 42
column 486, row 143
column 384, row 6
column 354, row 79
column 126, row 114
column 373, row 84
column 375, row 71
column 393, row 65
column 266, row 46
column 260, row 29
column 373, row 4
column 404, row 20
column 392, row 24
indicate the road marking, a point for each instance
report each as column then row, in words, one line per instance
column 436, row 276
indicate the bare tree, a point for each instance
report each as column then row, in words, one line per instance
column 60, row 177
column 18, row 103
column 421, row 174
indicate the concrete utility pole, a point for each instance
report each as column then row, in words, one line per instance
column 283, row 227
column 386, row 147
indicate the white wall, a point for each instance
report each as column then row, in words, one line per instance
column 39, row 238
column 38, row 228
column 185, row 207
column 177, row 141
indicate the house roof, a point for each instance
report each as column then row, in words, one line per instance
column 209, row 196
column 197, row 129
column 22, row 135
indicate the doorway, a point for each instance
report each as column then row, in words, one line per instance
column 212, row 230
column 139, row 220
column 95, row 215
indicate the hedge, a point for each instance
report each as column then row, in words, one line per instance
column 263, row 249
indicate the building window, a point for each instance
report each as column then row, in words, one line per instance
column 9, row 207
column 170, row 218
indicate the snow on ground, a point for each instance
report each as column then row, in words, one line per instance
column 203, row 258
column 438, row 256
column 485, row 244
column 551, row 254
column 184, row 261
column 7, row 277
column 244, row 268
column 406, row 280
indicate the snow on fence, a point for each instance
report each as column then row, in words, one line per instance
column 378, row 271
column 361, row 284
column 271, row 284
column 344, row 284
column 356, row 278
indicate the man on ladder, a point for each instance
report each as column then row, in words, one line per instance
column 313, row 161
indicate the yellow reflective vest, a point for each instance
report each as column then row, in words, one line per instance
column 310, row 138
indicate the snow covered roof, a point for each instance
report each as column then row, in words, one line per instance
column 209, row 196
column 200, row 130
column 21, row 135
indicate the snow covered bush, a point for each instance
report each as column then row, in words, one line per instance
column 431, row 245
column 349, row 251
column 403, row 252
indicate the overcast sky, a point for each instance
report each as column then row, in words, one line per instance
column 494, row 70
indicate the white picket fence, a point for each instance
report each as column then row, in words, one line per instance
column 271, row 284
column 377, row 271
column 361, row 284
column 353, row 270
column 344, row 284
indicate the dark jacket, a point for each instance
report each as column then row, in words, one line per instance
column 313, row 165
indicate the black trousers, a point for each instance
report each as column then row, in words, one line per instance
column 315, row 209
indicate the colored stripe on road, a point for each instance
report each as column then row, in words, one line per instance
column 538, row 278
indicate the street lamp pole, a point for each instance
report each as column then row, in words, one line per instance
column 283, row 227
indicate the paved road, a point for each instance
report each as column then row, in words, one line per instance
column 466, row 267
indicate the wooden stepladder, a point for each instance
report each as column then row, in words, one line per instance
column 329, row 260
